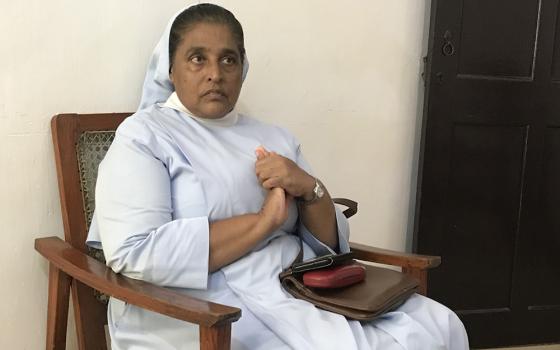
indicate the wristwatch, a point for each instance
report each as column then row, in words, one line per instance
column 318, row 193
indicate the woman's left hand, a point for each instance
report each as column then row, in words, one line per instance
column 274, row 170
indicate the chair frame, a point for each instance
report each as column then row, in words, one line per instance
column 71, row 270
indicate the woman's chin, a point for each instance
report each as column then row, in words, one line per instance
column 214, row 111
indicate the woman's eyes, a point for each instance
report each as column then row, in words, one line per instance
column 227, row 60
column 196, row 59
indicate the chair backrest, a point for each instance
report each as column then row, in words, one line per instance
column 80, row 143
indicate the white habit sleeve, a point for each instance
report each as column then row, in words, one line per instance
column 134, row 214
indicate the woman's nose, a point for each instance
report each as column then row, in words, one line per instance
column 214, row 72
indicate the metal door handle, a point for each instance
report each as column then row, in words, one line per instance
column 448, row 49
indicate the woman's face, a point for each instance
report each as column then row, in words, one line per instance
column 207, row 69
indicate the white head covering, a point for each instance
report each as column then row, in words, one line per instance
column 157, row 85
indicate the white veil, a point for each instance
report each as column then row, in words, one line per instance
column 157, row 85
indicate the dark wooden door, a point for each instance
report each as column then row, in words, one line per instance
column 489, row 182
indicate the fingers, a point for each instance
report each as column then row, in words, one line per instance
column 273, row 170
column 261, row 152
column 271, row 183
column 265, row 166
column 279, row 191
column 274, row 211
column 262, row 171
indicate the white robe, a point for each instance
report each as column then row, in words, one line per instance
column 164, row 178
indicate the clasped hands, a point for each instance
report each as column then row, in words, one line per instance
column 285, row 180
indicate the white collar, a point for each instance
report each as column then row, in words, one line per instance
column 227, row 120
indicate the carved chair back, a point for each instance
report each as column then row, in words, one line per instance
column 80, row 143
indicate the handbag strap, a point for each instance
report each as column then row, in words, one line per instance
column 352, row 208
column 299, row 258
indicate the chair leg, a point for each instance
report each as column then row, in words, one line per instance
column 90, row 317
column 57, row 313
column 421, row 276
column 215, row 338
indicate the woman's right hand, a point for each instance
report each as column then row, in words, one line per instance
column 232, row 238
column 274, row 211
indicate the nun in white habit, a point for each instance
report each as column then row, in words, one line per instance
column 195, row 196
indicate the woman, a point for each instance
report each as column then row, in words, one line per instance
column 195, row 196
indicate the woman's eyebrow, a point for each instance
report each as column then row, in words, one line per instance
column 202, row 49
column 228, row 51
column 195, row 49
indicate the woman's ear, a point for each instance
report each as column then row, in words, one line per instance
column 171, row 74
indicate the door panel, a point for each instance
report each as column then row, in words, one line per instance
column 490, row 48
column 487, row 165
column 543, row 263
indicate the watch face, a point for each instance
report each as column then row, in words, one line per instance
column 319, row 190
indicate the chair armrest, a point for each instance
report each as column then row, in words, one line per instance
column 390, row 257
column 142, row 294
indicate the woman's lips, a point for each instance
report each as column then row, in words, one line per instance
column 214, row 94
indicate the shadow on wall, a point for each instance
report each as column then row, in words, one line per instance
column 415, row 170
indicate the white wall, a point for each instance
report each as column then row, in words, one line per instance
column 342, row 76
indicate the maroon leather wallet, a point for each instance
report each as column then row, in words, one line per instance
column 335, row 277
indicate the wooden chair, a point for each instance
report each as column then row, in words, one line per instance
column 80, row 142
